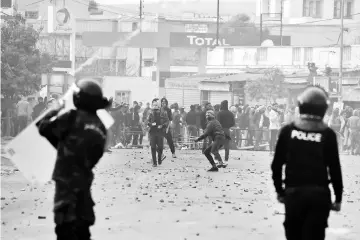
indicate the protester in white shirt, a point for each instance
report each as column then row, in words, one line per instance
column 274, row 127
column 24, row 112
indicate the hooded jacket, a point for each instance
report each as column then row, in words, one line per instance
column 225, row 117
column 167, row 109
column 157, row 118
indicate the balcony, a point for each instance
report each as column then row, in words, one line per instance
column 288, row 58
column 88, row 25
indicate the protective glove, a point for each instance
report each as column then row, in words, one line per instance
column 336, row 206
column 280, row 198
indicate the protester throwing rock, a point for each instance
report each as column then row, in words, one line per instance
column 216, row 133
column 80, row 138
column 309, row 150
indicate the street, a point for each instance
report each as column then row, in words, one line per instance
column 178, row 200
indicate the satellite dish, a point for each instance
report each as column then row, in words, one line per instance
column 267, row 43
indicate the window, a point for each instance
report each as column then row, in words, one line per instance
column 134, row 26
column 6, row 3
column 148, row 62
column 122, row 97
column 312, row 8
column 228, row 56
column 262, row 54
column 347, row 53
column 348, row 8
column 198, row 28
column 205, row 97
column 308, row 54
column 296, row 54
column 32, row 14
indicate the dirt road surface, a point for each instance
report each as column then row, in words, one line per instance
column 176, row 201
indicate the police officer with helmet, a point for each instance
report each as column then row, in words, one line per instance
column 309, row 151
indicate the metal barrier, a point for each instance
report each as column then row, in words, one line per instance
column 249, row 139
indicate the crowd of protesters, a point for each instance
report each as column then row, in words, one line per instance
column 22, row 112
column 255, row 126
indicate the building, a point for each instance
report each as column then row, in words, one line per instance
column 290, row 59
column 169, row 45
column 318, row 20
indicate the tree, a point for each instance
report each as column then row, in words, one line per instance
column 22, row 63
column 241, row 25
column 269, row 87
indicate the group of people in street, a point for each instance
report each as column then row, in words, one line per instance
column 306, row 146
column 22, row 112
column 346, row 123
column 255, row 127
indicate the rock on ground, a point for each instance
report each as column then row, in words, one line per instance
column 178, row 200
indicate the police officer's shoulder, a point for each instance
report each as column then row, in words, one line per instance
column 286, row 128
column 330, row 132
column 69, row 114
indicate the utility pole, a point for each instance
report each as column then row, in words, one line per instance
column 217, row 22
column 140, row 49
column 261, row 27
column 281, row 22
column 341, row 49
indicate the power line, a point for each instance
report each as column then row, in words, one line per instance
column 131, row 17
column 35, row 2
column 206, row 22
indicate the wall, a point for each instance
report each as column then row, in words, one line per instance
column 283, row 56
column 142, row 89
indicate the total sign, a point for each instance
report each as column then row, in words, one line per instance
column 197, row 40
column 207, row 41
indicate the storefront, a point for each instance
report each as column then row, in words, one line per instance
column 184, row 91
column 226, row 87
column 351, row 96
column 216, row 92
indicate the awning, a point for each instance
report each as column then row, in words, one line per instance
column 214, row 86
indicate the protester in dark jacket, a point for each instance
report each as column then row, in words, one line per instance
column 227, row 121
column 135, row 125
column 168, row 135
column 157, row 122
column 214, row 131
column 198, row 111
column 38, row 108
column 191, row 122
column 203, row 122
column 217, row 109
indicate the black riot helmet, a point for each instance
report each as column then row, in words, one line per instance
column 313, row 103
column 89, row 96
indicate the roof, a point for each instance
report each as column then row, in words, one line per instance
column 297, row 80
column 239, row 77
